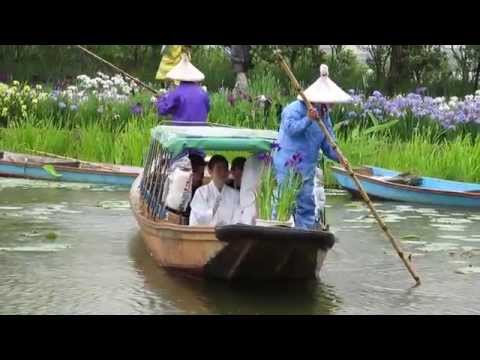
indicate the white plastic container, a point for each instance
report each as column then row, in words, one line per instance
column 179, row 189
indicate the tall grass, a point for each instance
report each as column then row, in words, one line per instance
column 90, row 143
column 456, row 159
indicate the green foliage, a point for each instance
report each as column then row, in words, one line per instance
column 50, row 169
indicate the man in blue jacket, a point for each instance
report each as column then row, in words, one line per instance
column 301, row 137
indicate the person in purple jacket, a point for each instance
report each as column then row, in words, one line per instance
column 188, row 103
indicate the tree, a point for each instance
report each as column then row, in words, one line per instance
column 412, row 65
column 463, row 61
column 398, row 67
column 474, row 52
column 241, row 61
column 424, row 61
column 378, row 56
column 335, row 51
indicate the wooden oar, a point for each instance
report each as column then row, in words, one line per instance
column 72, row 159
column 348, row 168
column 53, row 155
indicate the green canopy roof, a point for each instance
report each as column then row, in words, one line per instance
column 177, row 138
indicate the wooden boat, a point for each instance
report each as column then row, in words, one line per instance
column 227, row 252
column 32, row 167
column 392, row 185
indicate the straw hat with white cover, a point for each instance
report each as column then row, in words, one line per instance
column 325, row 91
column 185, row 71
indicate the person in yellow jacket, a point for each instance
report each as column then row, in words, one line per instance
column 172, row 55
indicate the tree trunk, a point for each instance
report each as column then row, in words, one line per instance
column 398, row 68
column 18, row 52
column 240, row 56
column 293, row 58
column 135, row 54
column 477, row 74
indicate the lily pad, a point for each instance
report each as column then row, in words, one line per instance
column 471, row 253
column 468, row 248
column 56, row 207
column 452, row 221
column 410, row 237
column 387, row 211
column 40, row 218
column 39, row 248
column 66, row 211
column 410, row 242
column 416, row 255
column 471, row 239
column 361, row 219
column 13, row 214
column 11, row 208
column 468, row 270
column 393, row 218
column 51, row 236
column 434, row 247
column 403, row 208
column 354, row 204
column 448, row 227
column 31, row 234
column 356, row 210
column 426, row 211
column 114, row 204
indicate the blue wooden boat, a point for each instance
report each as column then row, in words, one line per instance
column 383, row 184
column 32, row 167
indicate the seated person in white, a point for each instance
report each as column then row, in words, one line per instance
column 252, row 172
column 215, row 203
column 236, row 172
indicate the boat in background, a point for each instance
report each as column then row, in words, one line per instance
column 34, row 167
column 387, row 184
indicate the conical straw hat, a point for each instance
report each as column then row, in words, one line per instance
column 325, row 91
column 185, row 71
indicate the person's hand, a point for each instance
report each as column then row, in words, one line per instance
column 313, row 114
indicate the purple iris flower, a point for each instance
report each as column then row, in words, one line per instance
column 421, row 90
column 231, row 99
column 294, row 161
column 137, row 109
column 266, row 158
column 275, row 146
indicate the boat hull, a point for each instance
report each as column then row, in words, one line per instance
column 433, row 192
column 218, row 254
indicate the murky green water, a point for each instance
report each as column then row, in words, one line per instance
column 74, row 249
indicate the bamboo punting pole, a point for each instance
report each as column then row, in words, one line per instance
column 118, row 69
column 349, row 169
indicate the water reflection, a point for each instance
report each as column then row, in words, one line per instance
column 198, row 296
